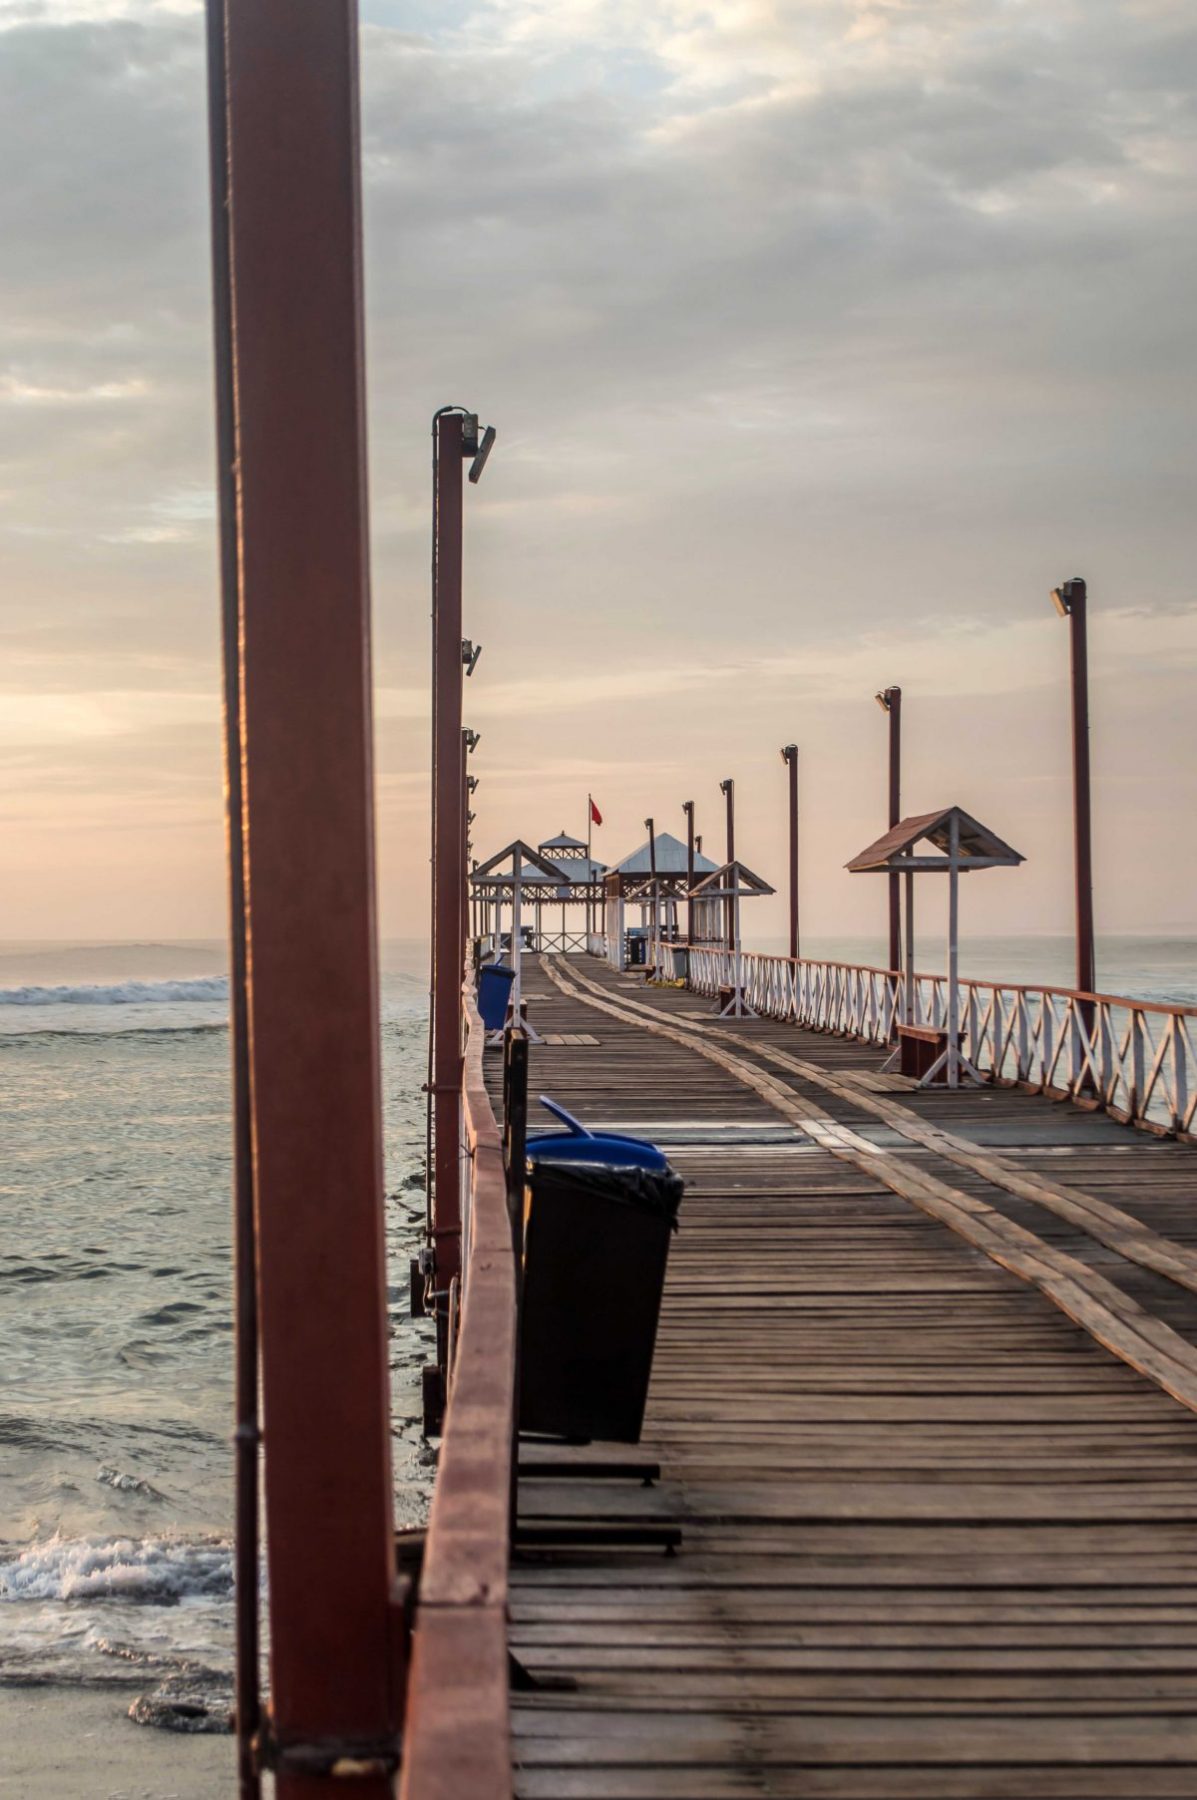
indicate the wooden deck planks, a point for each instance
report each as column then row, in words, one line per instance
column 938, row 1542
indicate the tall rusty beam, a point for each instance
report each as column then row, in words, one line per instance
column 448, row 861
column 247, row 1431
column 1072, row 601
column 688, row 809
column 336, row 1634
column 890, row 702
column 728, row 790
column 789, row 756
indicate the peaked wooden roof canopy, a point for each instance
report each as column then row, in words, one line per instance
column 979, row 847
column 731, row 878
column 534, row 869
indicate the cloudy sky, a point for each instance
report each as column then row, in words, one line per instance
column 823, row 338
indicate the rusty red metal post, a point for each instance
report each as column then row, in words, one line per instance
column 789, row 756
column 890, row 702
column 247, row 1432
column 448, row 844
column 728, row 790
column 654, row 884
column 688, row 809
column 337, row 1634
column 1071, row 601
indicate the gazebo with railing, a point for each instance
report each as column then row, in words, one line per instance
column 560, row 872
column 964, row 844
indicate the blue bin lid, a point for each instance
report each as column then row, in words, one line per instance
column 496, row 971
column 579, row 1145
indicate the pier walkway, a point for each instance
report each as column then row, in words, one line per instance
column 923, row 1408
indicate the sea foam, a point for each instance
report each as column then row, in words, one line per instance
column 150, row 1571
column 120, row 993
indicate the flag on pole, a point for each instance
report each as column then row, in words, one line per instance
column 596, row 817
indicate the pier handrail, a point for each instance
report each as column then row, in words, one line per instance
column 1133, row 1057
column 457, row 1739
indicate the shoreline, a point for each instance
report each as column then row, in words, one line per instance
column 64, row 1743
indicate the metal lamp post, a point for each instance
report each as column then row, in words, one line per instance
column 890, row 701
column 1071, row 602
column 728, row 790
column 652, row 864
column 455, row 436
column 688, row 809
column 789, row 756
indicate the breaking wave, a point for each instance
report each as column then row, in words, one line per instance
column 152, row 1571
column 120, row 993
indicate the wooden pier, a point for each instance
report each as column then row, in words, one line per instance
column 922, row 1406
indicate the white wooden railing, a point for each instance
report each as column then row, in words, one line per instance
column 1134, row 1057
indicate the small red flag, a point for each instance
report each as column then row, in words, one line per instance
column 595, row 814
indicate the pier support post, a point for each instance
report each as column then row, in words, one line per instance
column 337, row 1637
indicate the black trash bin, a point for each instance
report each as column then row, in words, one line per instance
column 599, row 1212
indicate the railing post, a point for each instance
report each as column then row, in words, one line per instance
column 1138, row 1062
column 1176, row 1084
column 337, row 1639
column 1180, row 1076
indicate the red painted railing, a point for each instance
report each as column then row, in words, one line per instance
column 457, row 1738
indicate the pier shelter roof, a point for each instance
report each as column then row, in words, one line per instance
column 979, row 847
column 518, row 861
column 563, row 845
column 573, row 858
column 733, row 880
column 635, row 873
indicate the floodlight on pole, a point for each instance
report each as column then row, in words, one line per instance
column 483, row 451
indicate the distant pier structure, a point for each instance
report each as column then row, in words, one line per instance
column 624, row 908
column 522, row 888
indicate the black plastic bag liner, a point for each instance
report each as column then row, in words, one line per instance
column 657, row 1192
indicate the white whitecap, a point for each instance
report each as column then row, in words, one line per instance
column 120, row 993
column 154, row 1570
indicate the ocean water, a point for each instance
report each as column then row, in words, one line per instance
column 115, row 1328
column 115, row 1322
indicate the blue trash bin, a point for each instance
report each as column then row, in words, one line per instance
column 599, row 1210
column 494, row 993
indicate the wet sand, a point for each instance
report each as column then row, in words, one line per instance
column 68, row 1744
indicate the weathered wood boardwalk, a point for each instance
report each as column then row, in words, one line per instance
column 938, row 1539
